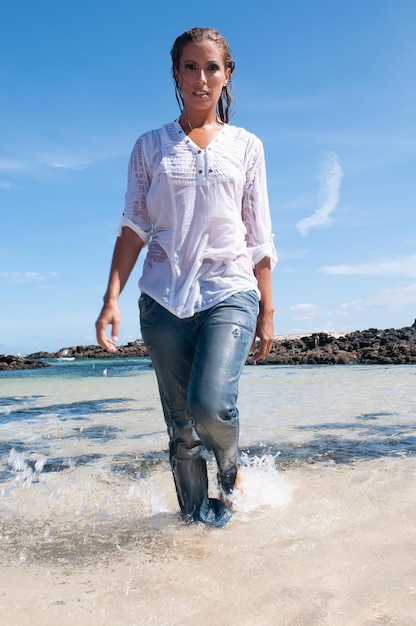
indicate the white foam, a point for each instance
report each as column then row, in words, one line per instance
column 262, row 486
column 154, row 494
column 26, row 472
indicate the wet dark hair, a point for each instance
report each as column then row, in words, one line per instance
column 225, row 103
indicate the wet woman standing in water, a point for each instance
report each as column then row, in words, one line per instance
column 197, row 197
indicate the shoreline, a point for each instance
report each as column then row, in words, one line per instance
column 372, row 346
column 295, row 336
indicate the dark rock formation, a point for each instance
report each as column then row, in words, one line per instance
column 132, row 349
column 370, row 346
column 12, row 362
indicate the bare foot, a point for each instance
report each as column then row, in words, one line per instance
column 228, row 498
column 238, row 479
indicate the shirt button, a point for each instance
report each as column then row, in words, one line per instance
column 199, row 151
column 210, row 170
column 200, row 171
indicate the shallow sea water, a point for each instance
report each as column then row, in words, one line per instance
column 324, row 529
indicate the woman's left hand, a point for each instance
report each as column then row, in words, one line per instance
column 265, row 327
column 264, row 332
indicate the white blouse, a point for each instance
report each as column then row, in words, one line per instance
column 204, row 213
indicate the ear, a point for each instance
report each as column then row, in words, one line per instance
column 177, row 76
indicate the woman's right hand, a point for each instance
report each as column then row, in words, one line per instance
column 110, row 316
column 125, row 254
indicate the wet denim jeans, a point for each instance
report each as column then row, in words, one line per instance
column 198, row 363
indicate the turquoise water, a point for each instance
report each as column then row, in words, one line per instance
column 303, row 414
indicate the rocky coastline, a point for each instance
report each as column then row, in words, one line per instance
column 372, row 346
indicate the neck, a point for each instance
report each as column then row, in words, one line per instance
column 191, row 121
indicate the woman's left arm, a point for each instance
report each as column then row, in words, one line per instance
column 265, row 326
column 257, row 220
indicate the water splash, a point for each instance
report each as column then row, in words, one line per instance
column 262, row 486
column 27, row 470
column 155, row 494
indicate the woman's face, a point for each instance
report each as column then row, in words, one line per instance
column 201, row 75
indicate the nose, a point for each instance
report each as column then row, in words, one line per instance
column 201, row 77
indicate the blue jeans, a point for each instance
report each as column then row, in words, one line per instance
column 198, row 363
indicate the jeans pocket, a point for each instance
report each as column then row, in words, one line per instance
column 146, row 305
column 248, row 302
column 251, row 297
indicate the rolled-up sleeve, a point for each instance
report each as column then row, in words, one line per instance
column 255, row 207
column 135, row 214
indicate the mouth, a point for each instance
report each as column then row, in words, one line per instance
column 201, row 94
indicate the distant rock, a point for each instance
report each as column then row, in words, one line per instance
column 132, row 349
column 372, row 346
column 11, row 362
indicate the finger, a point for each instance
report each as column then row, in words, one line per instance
column 259, row 355
column 99, row 331
column 107, row 344
column 102, row 340
column 263, row 351
column 114, row 333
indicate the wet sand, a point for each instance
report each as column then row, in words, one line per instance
column 323, row 545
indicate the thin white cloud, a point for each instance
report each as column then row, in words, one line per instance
column 356, row 305
column 306, row 310
column 12, row 165
column 400, row 266
column 80, row 155
column 33, row 159
column 331, row 177
column 24, row 277
column 304, row 307
column 66, row 163
column 4, row 184
column 396, row 298
column 293, row 254
column 386, row 299
column 32, row 164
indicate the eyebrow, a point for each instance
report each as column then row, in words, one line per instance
column 192, row 61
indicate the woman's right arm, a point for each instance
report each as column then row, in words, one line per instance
column 126, row 252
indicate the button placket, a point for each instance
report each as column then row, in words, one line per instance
column 200, row 162
column 208, row 160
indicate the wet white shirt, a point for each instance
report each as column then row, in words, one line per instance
column 204, row 213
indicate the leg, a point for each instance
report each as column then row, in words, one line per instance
column 225, row 336
column 171, row 346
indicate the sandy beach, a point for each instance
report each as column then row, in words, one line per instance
column 340, row 552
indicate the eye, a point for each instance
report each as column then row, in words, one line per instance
column 189, row 66
column 213, row 67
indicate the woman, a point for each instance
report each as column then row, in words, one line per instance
column 197, row 196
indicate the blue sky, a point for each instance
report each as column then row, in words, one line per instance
column 330, row 88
